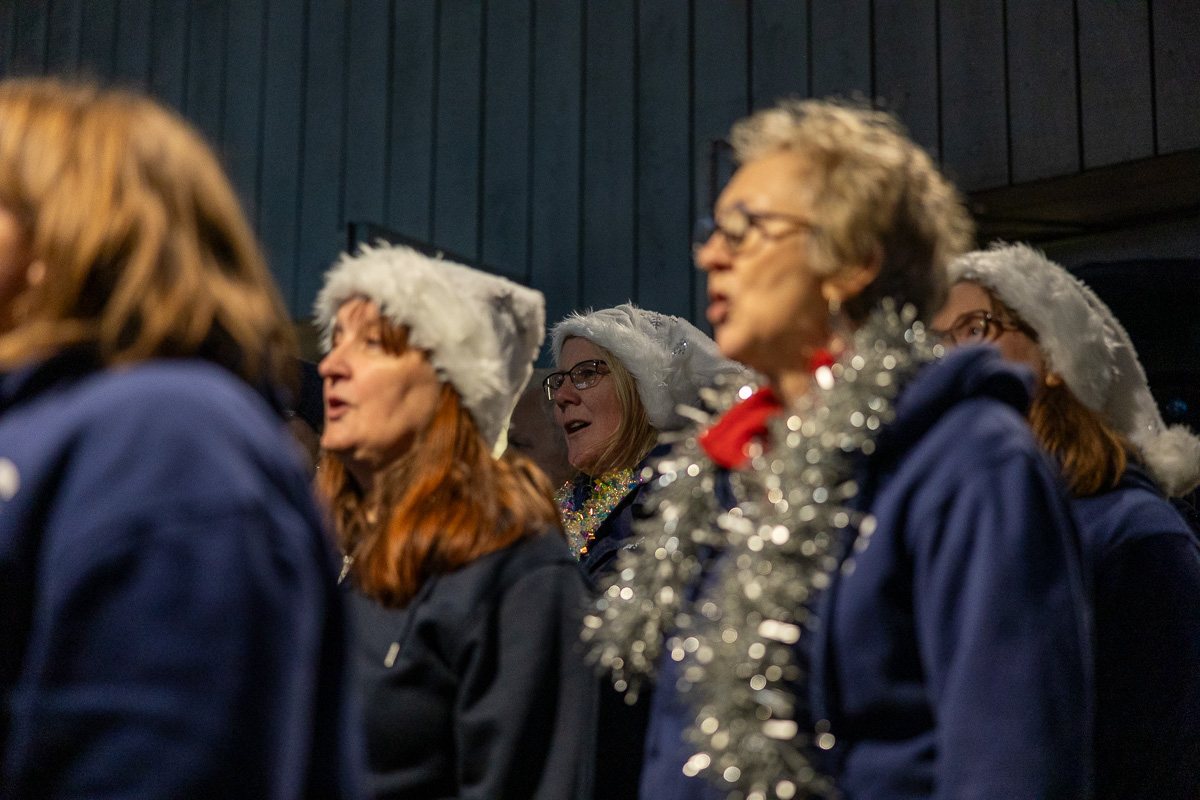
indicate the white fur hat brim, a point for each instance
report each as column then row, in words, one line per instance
column 670, row 358
column 1084, row 344
column 482, row 332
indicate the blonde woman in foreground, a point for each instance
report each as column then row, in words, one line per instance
column 170, row 624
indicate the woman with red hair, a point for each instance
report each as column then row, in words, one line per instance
column 466, row 596
column 1093, row 412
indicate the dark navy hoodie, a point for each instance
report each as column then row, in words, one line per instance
column 1146, row 567
column 953, row 659
column 170, row 625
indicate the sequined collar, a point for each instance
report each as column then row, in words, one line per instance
column 586, row 502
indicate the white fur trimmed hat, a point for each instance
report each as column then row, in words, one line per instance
column 669, row 357
column 482, row 332
column 1085, row 344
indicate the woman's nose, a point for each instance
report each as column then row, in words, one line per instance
column 333, row 365
column 566, row 395
column 713, row 254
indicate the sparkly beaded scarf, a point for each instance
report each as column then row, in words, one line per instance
column 780, row 543
column 582, row 517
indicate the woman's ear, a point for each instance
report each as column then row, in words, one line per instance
column 20, row 305
column 850, row 281
column 36, row 273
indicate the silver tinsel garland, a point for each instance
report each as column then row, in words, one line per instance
column 778, row 544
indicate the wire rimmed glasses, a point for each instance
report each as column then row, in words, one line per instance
column 975, row 327
column 583, row 375
column 737, row 222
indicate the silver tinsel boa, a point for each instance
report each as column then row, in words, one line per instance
column 778, row 545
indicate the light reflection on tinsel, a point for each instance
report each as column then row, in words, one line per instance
column 780, row 542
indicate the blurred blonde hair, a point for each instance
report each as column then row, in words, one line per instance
column 145, row 249
column 874, row 194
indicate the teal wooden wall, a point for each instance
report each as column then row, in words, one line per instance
column 565, row 142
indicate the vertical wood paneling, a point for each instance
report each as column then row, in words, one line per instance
column 557, row 86
column 8, row 33
column 1114, row 78
column 169, row 59
column 778, row 50
column 1043, row 97
column 206, row 66
column 609, row 251
column 719, row 64
column 97, row 47
column 664, row 163
column 283, row 105
column 29, row 46
column 65, row 28
column 410, row 151
column 1177, row 73
column 321, row 224
column 243, row 101
column 134, row 29
column 457, row 147
column 974, row 118
column 367, row 98
column 504, row 210
column 567, row 142
column 906, row 64
column 720, row 45
column 841, row 48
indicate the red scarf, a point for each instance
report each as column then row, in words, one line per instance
column 727, row 440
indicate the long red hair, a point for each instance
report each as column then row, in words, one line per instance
column 1092, row 455
column 441, row 506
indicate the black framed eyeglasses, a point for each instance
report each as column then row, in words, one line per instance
column 583, row 375
column 980, row 326
column 736, row 223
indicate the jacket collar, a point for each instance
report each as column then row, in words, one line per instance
column 71, row 365
column 37, row 377
column 962, row 374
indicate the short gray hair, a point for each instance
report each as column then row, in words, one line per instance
column 875, row 192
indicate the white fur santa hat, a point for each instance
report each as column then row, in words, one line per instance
column 1084, row 343
column 482, row 332
column 669, row 357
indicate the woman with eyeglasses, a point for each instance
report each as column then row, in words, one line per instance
column 1093, row 412
column 892, row 606
column 623, row 371
column 464, row 595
